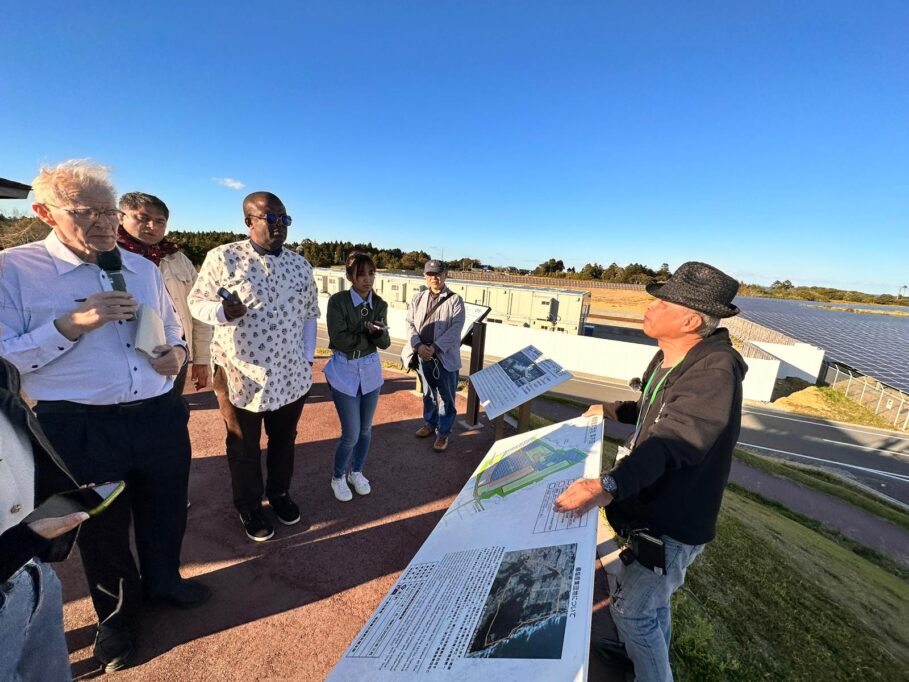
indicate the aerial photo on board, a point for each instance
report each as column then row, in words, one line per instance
column 525, row 612
column 520, row 368
column 523, row 466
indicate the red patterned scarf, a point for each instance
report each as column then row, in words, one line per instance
column 154, row 253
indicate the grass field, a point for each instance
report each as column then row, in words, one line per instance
column 771, row 598
column 776, row 596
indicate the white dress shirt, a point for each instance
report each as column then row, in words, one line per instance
column 265, row 354
column 44, row 280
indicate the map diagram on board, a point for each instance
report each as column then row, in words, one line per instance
column 506, row 471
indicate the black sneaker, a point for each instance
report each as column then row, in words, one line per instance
column 114, row 648
column 186, row 594
column 285, row 509
column 257, row 526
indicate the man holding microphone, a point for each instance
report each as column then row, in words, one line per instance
column 105, row 406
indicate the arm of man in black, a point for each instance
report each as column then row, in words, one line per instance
column 690, row 423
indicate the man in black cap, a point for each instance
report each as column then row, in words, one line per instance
column 663, row 494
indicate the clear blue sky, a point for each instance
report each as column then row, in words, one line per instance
column 770, row 138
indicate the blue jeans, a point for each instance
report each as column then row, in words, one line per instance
column 442, row 386
column 32, row 645
column 641, row 610
column 355, row 413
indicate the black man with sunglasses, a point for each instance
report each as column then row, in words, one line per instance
column 262, row 301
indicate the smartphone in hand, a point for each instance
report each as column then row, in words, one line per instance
column 228, row 297
column 92, row 499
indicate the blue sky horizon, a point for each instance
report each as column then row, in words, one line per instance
column 769, row 139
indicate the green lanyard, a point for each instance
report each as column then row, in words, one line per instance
column 642, row 416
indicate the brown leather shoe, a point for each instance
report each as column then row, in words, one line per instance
column 441, row 444
column 424, row 432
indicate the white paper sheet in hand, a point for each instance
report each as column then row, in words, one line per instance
column 149, row 331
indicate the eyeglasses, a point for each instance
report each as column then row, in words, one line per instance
column 83, row 215
column 272, row 218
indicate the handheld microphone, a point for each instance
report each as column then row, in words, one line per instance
column 112, row 263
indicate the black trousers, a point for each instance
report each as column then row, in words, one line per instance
column 148, row 447
column 244, row 456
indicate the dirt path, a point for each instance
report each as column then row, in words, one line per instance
column 856, row 524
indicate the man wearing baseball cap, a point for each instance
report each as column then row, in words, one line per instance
column 663, row 494
column 435, row 320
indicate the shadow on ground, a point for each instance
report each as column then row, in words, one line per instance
column 290, row 607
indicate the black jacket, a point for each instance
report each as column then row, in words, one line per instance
column 346, row 330
column 20, row 544
column 673, row 480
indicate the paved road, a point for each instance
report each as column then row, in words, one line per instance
column 876, row 458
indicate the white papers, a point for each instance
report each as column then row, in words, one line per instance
column 516, row 379
column 503, row 586
column 149, row 331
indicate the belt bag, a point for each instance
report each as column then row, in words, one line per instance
column 647, row 550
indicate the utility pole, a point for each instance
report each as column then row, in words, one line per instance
column 900, row 292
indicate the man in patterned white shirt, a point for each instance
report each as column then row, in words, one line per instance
column 262, row 351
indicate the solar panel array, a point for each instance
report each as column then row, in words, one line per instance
column 876, row 345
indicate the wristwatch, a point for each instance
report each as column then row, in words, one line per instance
column 609, row 484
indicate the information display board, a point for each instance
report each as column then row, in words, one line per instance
column 503, row 586
column 473, row 313
column 516, row 379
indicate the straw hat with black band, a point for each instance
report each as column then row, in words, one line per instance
column 701, row 287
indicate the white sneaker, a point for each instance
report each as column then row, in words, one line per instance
column 359, row 482
column 342, row 492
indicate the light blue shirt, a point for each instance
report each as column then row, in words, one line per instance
column 357, row 375
column 44, row 280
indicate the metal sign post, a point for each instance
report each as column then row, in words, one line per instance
column 477, row 341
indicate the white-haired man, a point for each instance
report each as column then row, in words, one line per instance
column 106, row 407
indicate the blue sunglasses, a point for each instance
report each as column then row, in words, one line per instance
column 272, row 218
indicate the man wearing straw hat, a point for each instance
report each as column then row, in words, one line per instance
column 663, row 495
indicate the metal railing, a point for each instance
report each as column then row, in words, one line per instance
column 885, row 401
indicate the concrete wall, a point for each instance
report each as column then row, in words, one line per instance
column 801, row 360
column 760, row 379
column 588, row 355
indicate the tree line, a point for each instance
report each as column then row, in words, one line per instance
column 15, row 230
